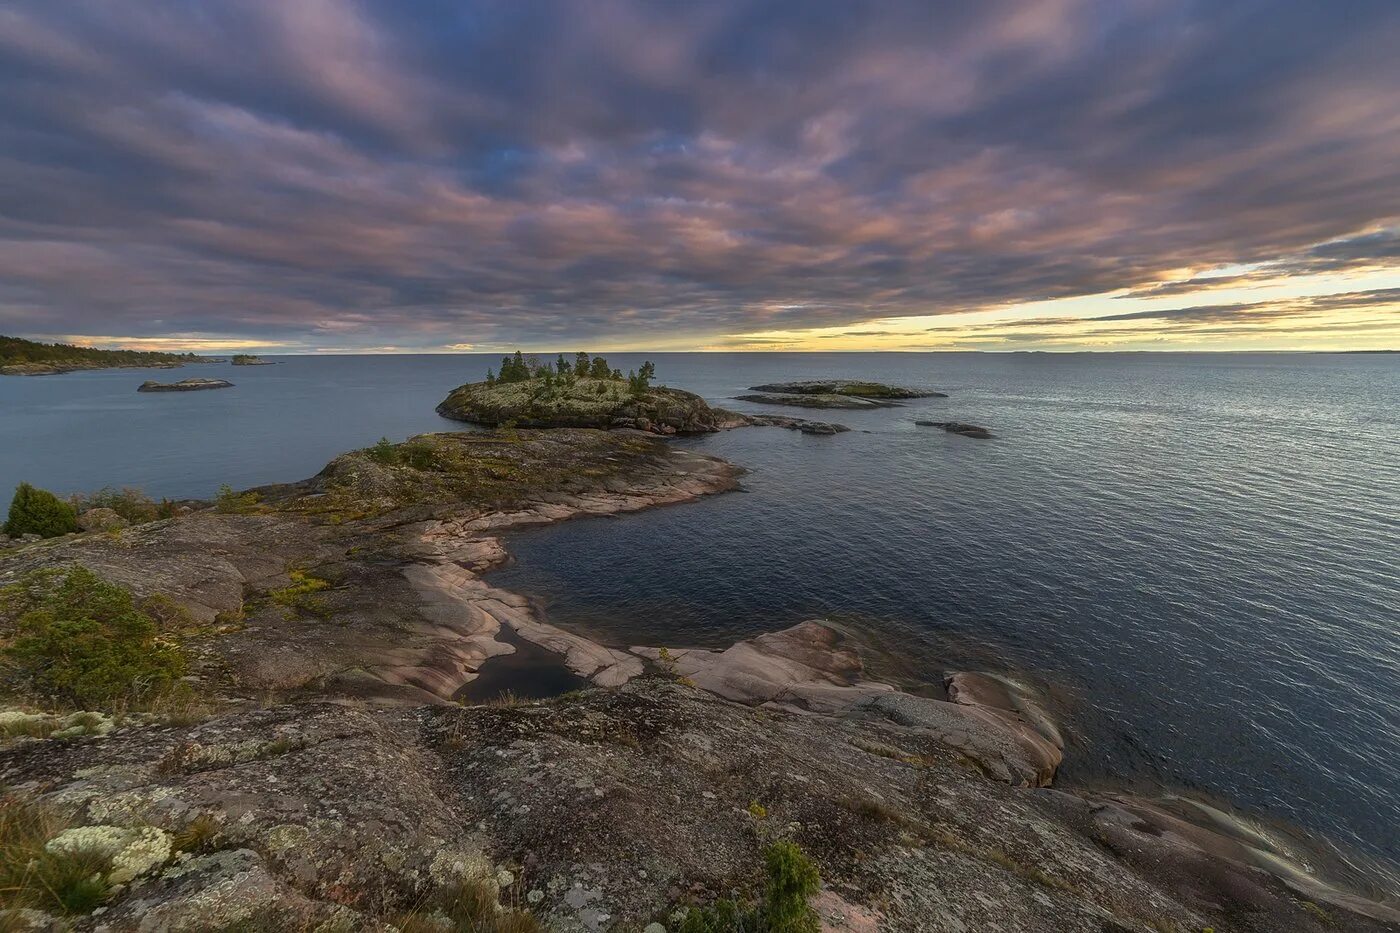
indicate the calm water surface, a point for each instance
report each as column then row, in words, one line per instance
column 1196, row 553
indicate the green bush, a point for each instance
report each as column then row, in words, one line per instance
column 384, row 452
column 82, row 641
column 792, row 878
column 39, row 512
column 235, row 503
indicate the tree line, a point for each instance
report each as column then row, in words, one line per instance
column 520, row 368
column 18, row 350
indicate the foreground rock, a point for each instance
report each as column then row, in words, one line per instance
column 332, row 781
column 959, row 427
column 847, row 387
column 185, row 385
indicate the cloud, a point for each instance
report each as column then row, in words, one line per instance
column 343, row 173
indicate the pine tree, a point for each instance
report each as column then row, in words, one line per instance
column 490, row 378
column 562, row 365
column 581, row 364
column 39, row 512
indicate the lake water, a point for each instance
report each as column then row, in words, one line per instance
column 1195, row 554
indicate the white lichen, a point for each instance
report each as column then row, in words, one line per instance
column 131, row 852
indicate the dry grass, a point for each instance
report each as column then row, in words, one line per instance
column 31, row 876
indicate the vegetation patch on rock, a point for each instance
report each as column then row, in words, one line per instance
column 70, row 638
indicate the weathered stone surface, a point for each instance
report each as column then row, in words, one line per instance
column 184, row 385
column 728, row 420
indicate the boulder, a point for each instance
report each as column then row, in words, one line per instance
column 101, row 520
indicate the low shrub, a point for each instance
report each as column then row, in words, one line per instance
column 39, row 512
column 236, row 503
column 81, row 641
column 791, row 878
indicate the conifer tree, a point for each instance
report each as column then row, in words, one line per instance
column 39, row 512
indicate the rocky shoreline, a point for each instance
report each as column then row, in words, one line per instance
column 334, row 621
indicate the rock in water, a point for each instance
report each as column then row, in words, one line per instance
column 857, row 388
column 823, row 400
column 958, row 427
column 184, row 385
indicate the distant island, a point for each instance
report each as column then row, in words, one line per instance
column 248, row 359
column 20, row 357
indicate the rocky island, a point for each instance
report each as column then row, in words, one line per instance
column 248, row 359
column 586, row 393
column 277, row 743
column 184, row 385
column 19, row 357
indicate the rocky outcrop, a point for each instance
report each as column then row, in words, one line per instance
column 184, row 385
column 847, row 387
column 333, row 784
column 959, row 427
column 244, row 359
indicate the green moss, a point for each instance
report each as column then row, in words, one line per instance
column 300, row 595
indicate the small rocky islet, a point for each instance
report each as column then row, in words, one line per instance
column 317, row 773
column 198, row 384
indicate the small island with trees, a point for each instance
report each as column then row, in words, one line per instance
column 248, row 359
column 20, row 357
column 582, row 392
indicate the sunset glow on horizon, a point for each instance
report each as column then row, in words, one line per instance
column 338, row 176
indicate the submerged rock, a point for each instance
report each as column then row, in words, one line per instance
column 826, row 400
column 846, row 387
column 184, row 385
column 958, row 427
column 736, row 419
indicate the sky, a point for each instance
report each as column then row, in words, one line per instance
column 449, row 175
